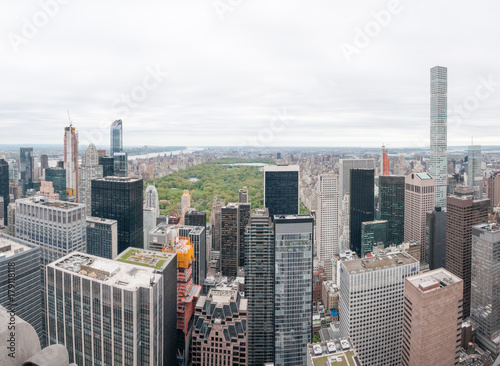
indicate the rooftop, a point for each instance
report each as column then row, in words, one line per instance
column 118, row 179
column 101, row 220
column 379, row 262
column 335, row 352
column 147, row 258
column 111, row 272
column 42, row 201
column 423, row 176
column 281, row 168
column 10, row 246
column 223, row 294
column 433, row 280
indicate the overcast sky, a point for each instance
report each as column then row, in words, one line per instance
column 255, row 72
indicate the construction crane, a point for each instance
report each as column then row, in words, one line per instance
column 178, row 227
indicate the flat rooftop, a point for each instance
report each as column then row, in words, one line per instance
column 379, row 262
column 147, row 258
column 118, row 179
column 335, row 352
column 221, row 295
column 281, row 168
column 10, row 246
column 100, row 220
column 111, row 272
column 433, row 280
column 43, row 201
column 424, row 176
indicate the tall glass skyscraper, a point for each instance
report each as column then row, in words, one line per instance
column 116, row 134
column 439, row 118
column 281, row 189
column 259, row 287
column 392, row 206
column 293, row 288
column 362, row 204
column 26, row 167
column 474, row 179
column 4, row 187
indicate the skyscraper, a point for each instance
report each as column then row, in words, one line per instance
column 439, row 118
column 108, row 166
column 432, row 309
column 243, row 195
column 462, row 213
column 198, row 238
column 120, row 167
column 485, row 278
column 259, row 287
column 58, row 178
column 362, row 204
column 44, row 161
column 327, row 216
column 229, row 257
column 392, row 206
column 435, row 238
column 20, row 280
column 371, row 304
column 113, row 312
column 120, row 199
column 116, row 137
column 419, row 199
column 385, row 168
column 281, row 189
column 293, row 288
column 493, row 183
column 151, row 199
column 373, row 233
column 71, row 163
column 26, row 168
column 243, row 219
column 4, row 189
column 89, row 170
column 151, row 211
column 474, row 178
column 102, row 237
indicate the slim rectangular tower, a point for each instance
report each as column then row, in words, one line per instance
column 259, row 287
column 116, row 137
column 327, row 220
column 371, row 305
column 26, row 167
column 432, row 316
column 392, row 206
column 362, row 203
column 439, row 118
column 474, row 178
column 71, row 163
column 4, row 189
column 293, row 288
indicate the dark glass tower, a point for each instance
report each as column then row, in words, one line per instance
column 26, row 167
column 4, row 187
column 108, row 166
column 58, row 178
column 362, row 204
column 244, row 218
column 435, row 238
column 195, row 218
column 281, row 189
column 120, row 199
column 116, row 134
column 229, row 240
column 44, row 161
column 259, row 287
column 392, row 206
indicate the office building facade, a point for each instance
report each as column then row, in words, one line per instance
column 102, row 237
column 116, row 137
column 113, row 312
column 4, row 189
column 108, row 166
column 120, row 161
column 392, row 206
column 120, row 199
column 26, row 167
column 229, row 256
column 371, row 304
column 462, row 213
column 71, row 163
column 431, row 322
column 373, row 233
column 485, row 279
column 419, row 199
column 362, row 204
column 474, row 178
column 58, row 178
column 293, row 288
column 281, row 189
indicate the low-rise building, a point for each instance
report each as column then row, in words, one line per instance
column 331, row 353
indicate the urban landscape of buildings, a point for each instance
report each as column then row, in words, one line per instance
column 352, row 257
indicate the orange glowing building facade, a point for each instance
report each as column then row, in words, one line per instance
column 187, row 296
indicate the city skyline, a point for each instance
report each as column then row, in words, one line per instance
column 316, row 93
